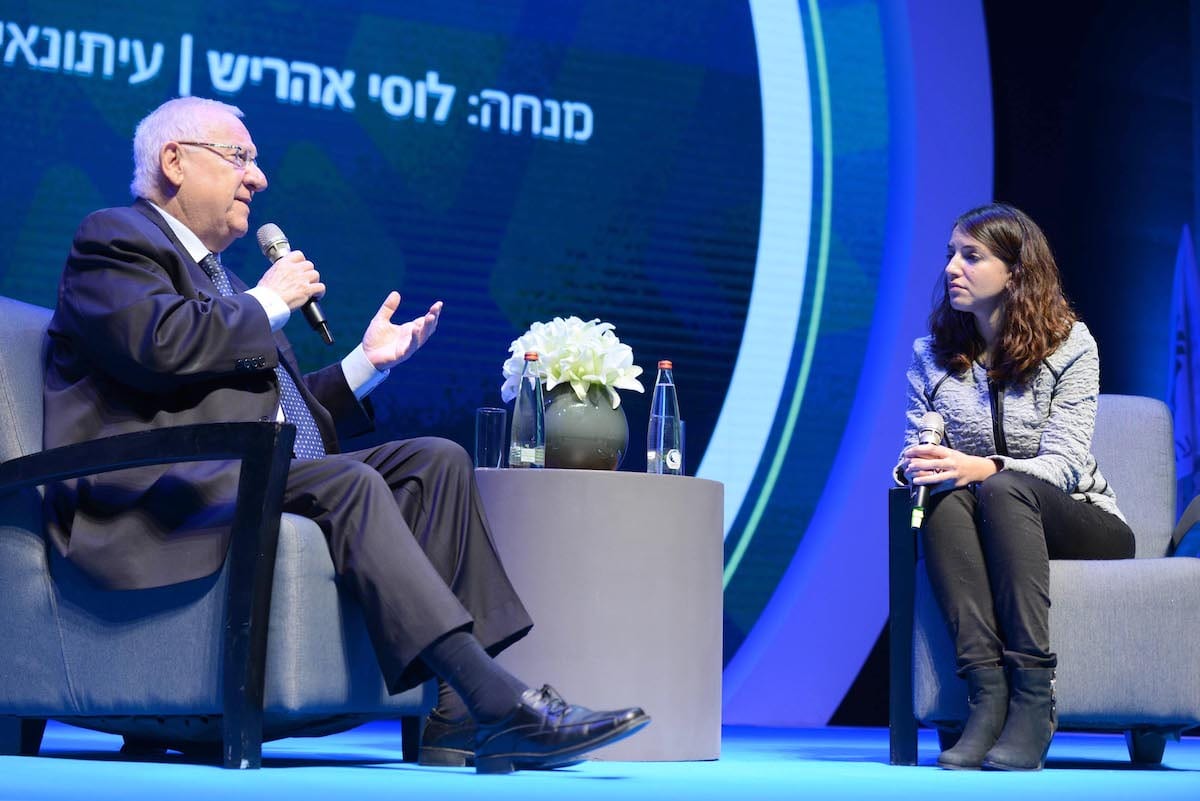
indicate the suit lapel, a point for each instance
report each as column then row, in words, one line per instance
column 200, row 278
column 196, row 274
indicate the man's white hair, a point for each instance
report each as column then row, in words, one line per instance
column 179, row 119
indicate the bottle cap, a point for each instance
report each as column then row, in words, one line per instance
column 531, row 356
column 665, row 364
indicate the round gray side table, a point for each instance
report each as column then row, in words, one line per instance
column 622, row 575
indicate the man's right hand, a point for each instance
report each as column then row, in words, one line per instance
column 294, row 279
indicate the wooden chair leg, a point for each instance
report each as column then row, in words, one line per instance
column 902, row 560
column 251, row 565
column 1145, row 746
column 32, row 731
column 410, row 737
column 21, row 736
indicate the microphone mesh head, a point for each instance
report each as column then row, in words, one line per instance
column 933, row 429
column 269, row 236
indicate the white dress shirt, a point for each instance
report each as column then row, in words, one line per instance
column 360, row 374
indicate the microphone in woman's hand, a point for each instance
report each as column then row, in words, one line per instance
column 933, row 429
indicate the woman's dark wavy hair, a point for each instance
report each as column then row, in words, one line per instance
column 1037, row 317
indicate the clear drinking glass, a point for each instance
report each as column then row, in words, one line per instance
column 490, row 436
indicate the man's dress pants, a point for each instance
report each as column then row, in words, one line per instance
column 409, row 539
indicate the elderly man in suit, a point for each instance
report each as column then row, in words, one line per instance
column 150, row 329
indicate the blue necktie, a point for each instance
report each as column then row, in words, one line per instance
column 308, row 443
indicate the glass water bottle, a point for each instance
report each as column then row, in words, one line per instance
column 664, row 436
column 528, row 444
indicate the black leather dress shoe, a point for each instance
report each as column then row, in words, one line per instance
column 447, row 743
column 544, row 731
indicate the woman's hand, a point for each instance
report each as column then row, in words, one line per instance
column 944, row 468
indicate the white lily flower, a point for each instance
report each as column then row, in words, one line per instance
column 576, row 353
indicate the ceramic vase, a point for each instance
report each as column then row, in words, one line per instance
column 588, row 434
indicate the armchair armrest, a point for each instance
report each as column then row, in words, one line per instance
column 264, row 450
column 902, row 561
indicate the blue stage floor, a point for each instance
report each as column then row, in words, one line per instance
column 830, row 763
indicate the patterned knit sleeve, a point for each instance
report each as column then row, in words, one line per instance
column 916, row 403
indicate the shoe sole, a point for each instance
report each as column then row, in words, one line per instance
column 507, row 763
column 998, row 766
column 445, row 758
column 457, row 758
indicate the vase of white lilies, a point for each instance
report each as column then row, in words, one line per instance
column 583, row 364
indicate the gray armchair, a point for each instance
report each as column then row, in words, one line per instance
column 266, row 648
column 1124, row 631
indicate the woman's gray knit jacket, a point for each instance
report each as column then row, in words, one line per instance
column 1044, row 426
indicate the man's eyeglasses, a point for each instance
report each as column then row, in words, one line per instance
column 238, row 155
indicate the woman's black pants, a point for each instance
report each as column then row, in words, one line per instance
column 988, row 548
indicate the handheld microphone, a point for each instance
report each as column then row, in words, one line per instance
column 933, row 429
column 274, row 245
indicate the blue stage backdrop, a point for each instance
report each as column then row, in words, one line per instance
column 732, row 184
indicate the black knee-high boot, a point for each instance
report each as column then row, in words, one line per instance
column 987, row 703
column 1032, row 721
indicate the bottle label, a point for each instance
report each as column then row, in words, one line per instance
column 523, row 456
column 674, row 459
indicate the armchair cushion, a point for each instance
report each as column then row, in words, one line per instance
column 22, row 334
column 33, row 676
column 1135, row 447
column 157, row 652
column 1115, row 626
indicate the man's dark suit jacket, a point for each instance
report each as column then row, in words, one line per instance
column 141, row 339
